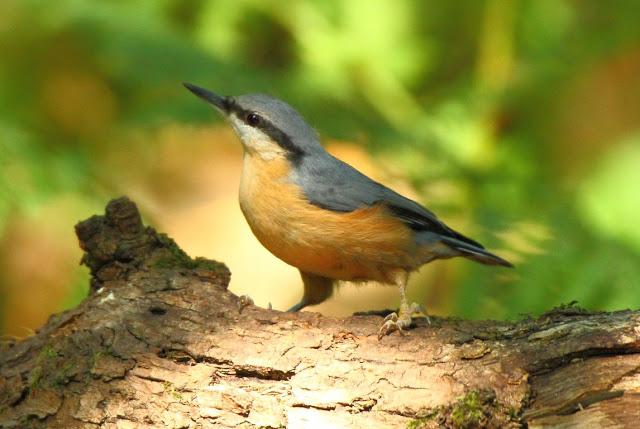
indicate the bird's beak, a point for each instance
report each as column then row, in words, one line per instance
column 216, row 100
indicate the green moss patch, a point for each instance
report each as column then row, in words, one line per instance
column 477, row 409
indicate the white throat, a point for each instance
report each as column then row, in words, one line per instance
column 256, row 142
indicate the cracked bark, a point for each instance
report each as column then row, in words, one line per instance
column 159, row 342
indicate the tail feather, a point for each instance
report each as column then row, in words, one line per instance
column 476, row 253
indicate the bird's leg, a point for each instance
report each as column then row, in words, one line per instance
column 402, row 319
column 316, row 290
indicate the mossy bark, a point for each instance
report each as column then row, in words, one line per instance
column 160, row 342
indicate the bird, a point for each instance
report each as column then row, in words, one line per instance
column 326, row 218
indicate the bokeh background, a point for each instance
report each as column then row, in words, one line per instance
column 517, row 121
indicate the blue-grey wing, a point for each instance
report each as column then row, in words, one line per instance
column 334, row 185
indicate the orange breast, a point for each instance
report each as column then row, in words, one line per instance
column 366, row 244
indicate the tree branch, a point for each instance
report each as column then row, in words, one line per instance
column 160, row 342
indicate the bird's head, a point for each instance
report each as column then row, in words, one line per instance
column 266, row 126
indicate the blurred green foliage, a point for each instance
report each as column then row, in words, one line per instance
column 520, row 117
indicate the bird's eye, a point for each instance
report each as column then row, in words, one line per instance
column 253, row 119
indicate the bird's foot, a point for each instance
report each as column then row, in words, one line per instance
column 243, row 302
column 418, row 310
column 401, row 320
column 393, row 323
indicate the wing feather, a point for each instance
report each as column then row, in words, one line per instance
column 334, row 185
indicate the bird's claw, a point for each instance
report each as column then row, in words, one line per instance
column 399, row 322
column 394, row 323
column 243, row 302
column 418, row 309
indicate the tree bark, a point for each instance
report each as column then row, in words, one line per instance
column 161, row 343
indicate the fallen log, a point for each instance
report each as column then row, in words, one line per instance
column 161, row 343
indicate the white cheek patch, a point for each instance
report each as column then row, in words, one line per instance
column 244, row 131
column 254, row 140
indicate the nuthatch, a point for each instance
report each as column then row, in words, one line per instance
column 323, row 216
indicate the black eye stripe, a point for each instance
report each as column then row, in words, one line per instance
column 243, row 114
column 295, row 153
